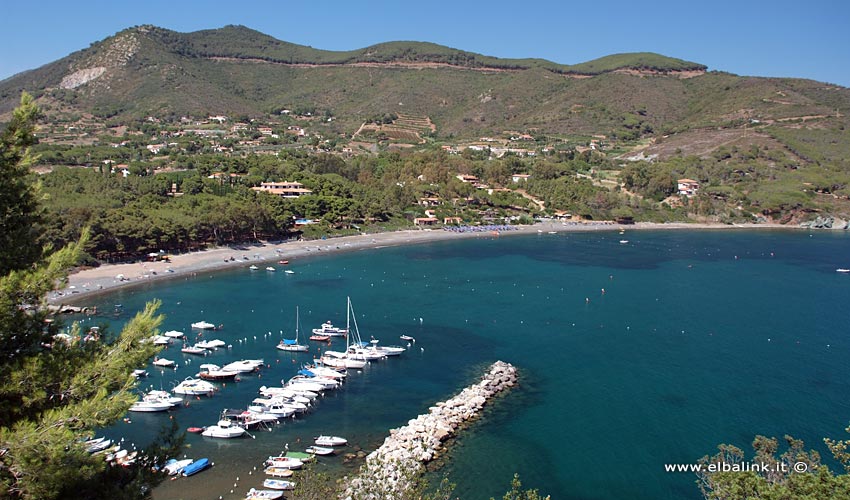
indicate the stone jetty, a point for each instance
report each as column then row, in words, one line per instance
column 395, row 466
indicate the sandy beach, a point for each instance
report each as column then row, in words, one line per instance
column 108, row 277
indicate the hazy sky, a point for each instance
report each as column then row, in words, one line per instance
column 806, row 39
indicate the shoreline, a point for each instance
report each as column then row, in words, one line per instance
column 91, row 282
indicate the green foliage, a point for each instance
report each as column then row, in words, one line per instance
column 19, row 215
column 794, row 474
column 55, row 391
column 517, row 493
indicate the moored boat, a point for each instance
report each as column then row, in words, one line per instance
column 194, row 387
column 150, row 406
column 263, row 494
column 278, row 471
column 194, row 349
column 330, row 441
column 284, row 462
column 278, row 484
column 328, row 328
column 320, row 450
column 224, row 429
column 162, row 362
column 196, row 466
column 210, row 371
column 174, row 466
column 407, row 338
column 203, row 325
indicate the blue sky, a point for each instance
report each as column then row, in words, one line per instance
column 778, row 38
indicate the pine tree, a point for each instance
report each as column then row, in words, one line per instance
column 54, row 392
column 19, row 214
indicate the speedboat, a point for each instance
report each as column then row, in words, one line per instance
column 174, row 467
column 330, row 441
column 407, row 338
column 139, row 373
column 210, row 344
column 328, row 328
column 203, row 325
column 253, row 267
column 174, row 334
column 210, row 371
column 278, row 484
column 150, row 406
column 271, row 269
column 244, row 366
column 165, row 363
column 278, row 471
column 320, row 338
column 163, row 396
column 194, row 349
column 160, row 340
column 284, row 462
column 263, row 494
column 842, row 270
column 194, row 387
column 224, row 429
column 319, row 450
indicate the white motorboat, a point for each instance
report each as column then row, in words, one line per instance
column 277, row 484
column 139, row 373
column 319, row 450
column 324, row 383
column 278, row 471
column 292, row 344
column 284, row 462
column 224, row 429
column 210, row 344
column 407, row 338
column 194, row 349
column 328, row 328
column 324, row 371
column 330, row 441
column 165, row 396
column 203, row 325
column 174, row 467
column 842, row 270
column 150, row 406
column 162, row 362
column 263, row 494
column 194, row 387
column 342, row 361
column 243, row 366
column 160, row 340
column 174, row 334
column 253, row 267
column 289, row 271
column 210, row 371
column 287, row 392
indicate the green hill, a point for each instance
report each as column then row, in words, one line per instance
column 149, row 71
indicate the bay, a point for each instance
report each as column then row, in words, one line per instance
column 632, row 355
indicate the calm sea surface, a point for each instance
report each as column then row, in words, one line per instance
column 699, row 338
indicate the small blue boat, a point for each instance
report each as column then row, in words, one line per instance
column 196, row 466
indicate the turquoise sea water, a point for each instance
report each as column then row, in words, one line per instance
column 699, row 338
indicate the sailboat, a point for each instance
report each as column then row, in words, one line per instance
column 293, row 345
column 343, row 359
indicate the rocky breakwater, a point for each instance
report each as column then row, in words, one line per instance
column 395, row 466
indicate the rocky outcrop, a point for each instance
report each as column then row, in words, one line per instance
column 393, row 468
column 827, row 222
column 81, row 77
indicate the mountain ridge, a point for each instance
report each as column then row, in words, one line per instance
column 150, row 71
